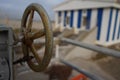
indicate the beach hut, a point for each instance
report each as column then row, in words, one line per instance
column 87, row 14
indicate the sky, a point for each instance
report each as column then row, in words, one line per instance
column 14, row 9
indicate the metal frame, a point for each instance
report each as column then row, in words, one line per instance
column 6, row 38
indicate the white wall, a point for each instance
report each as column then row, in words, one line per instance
column 104, row 26
column 84, row 14
column 75, row 19
column 62, row 18
column 117, row 26
column 68, row 15
column 112, row 26
column 56, row 20
column 93, row 18
column 111, row 42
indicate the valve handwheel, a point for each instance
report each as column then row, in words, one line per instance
column 29, row 37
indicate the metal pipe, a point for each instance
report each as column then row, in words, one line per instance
column 103, row 50
column 86, row 73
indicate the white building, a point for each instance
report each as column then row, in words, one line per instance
column 86, row 14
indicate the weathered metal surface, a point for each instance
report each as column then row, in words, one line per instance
column 29, row 37
column 6, row 53
column 4, row 69
column 103, row 50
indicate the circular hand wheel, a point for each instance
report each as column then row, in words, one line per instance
column 29, row 37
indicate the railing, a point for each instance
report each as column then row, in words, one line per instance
column 102, row 50
column 80, row 70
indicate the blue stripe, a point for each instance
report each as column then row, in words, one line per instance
column 99, row 22
column 71, row 18
column 89, row 11
column 115, row 25
column 109, row 25
column 65, row 15
column 79, row 18
column 118, row 35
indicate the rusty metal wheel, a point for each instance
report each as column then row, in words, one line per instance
column 29, row 37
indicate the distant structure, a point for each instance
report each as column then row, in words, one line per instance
column 6, row 20
column 117, row 1
column 87, row 14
